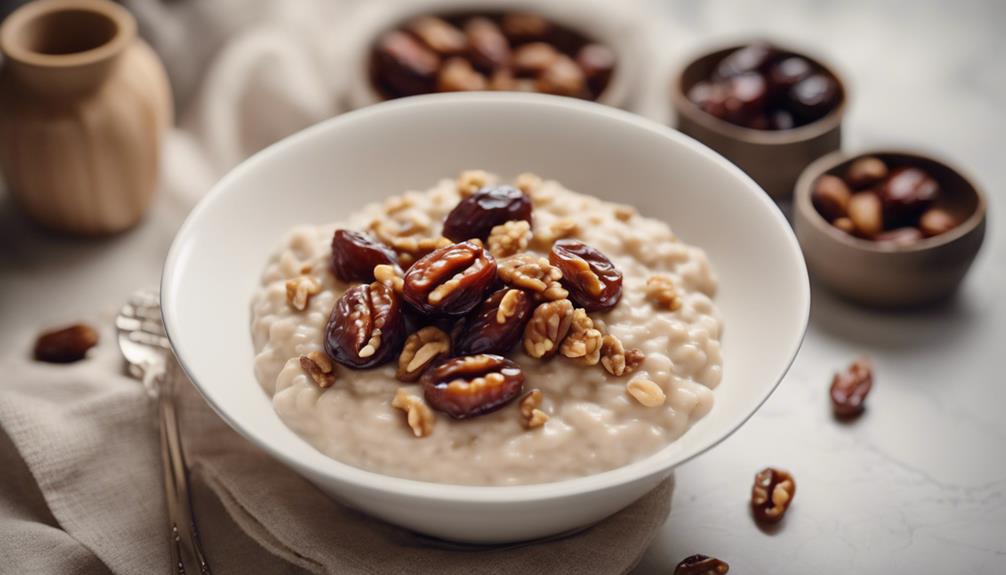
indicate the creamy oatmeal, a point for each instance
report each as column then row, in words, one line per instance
column 622, row 384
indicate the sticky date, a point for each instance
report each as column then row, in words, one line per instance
column 473, row 385
column 367, row 326
column 476, row 215
column 496, row 325
column 594, row 283
column 849, row 389
column 355, row 255
column 772, row 494
column 701, row 565
column 65, row 345
column 450, row 280
column 906, row 194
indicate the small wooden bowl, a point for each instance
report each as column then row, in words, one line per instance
column 772, row 158
column 886, row 275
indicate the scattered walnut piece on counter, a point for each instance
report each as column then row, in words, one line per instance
column 849, row 388
column 319, row 366
column 471, row 181
column 300, row 290
column 584, row 340
column 701, row 565
column 418, row 415
column 65, row 345
column 661, row 291
column 532, row 273
column 529, row 404
column 509, row 238
column 616, row 360
column 389, row 276
column 421, row 349
column 547, row 328
column 772, row 494
column 646, row 392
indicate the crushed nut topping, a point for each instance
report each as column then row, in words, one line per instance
column 300, row 290
column 661, row 291
column 421, row 349
column 320, row 367
column 508, row 305
column 646, row 392
column 471, row 181
column 418, row 415
column 389, row 276
column 527, row 183
column 529, row 404
column 616, row 360
column 509, row 238
column 584, row 340
column 548, row 327
column 624, row 213
column 772, row 494
column 533, row 273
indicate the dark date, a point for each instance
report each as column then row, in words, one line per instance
column 593, row 282
column 474, row 385
column 849, row 389
column 476, row 216
column 772, row 494
column 355, row 255
column 701, row 565
column 405, row 65
column 450, row 280
column 367, row 326
column 906, row 194
column 496, row 325
column 65, row 345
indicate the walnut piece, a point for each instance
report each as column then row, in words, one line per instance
column 661, row 291
column 508, row 305
column 584, row 340
column 509, row 238
column 772, row 494
column 471, row 181
column 418, row 415
column 527, row 183
column 300, row 290
column 624, row 213
column 421, row 349
column 646, row 392
column 557, row 230
column 389, row 276
column 319, row 366
column 547, row 328
column 529, row 404
column 532, row 273
column 412, row 248
column 616, row 360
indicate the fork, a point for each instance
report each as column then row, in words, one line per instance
column 148, row 354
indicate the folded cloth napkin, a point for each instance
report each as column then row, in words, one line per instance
column 81, row 492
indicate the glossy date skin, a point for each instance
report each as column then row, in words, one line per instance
column 473, row 385
column 355, row 255
column 450, row 281
column 475, row 216
column 490, row 329
column 594, row 283
column 367, row 326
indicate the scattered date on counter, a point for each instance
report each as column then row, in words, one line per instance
column 65, row 345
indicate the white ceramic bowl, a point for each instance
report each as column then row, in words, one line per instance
column 327, row 171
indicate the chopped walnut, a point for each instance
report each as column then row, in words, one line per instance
column 557, row 230
column 584, row 340
column 529, row 404
column 418, row 415
column 471, row 181
column 616, row 360
column 300, row 290
column 412, row 248
column 421, row 349
column 389, row 276
column 646, row 392
column 508, row 305
column 319, row 366
column 661, row 291
column 395, row 204
column 624, row 213
column 532, row 273
column 548, row 326
column 509, row 238
column 527, row 183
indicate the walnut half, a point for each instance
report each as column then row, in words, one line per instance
column 509, row 238
column 529, row 404
column 417, row 414
column 584, row 340
column 532, row 273
column 616, row 360
column 421, row 349
column 547, row 328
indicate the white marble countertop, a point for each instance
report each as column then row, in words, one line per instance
column 918, row 484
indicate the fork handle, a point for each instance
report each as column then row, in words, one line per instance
column 187, row 556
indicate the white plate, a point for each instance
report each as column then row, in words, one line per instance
column 327, row 171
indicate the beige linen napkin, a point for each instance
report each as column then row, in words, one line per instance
column 80, row 492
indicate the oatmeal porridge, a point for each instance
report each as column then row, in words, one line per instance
column 486, row 334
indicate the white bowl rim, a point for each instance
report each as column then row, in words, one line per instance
column 447, row 492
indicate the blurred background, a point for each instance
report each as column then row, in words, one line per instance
column 915, row 485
